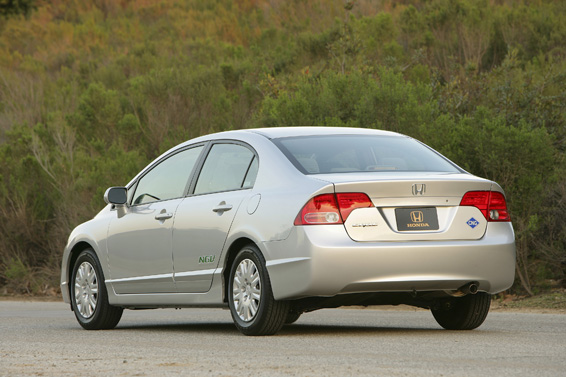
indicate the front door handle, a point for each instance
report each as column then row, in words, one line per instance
column 163, row 216
column 222, row 207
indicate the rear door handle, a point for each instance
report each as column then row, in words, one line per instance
column 163, row 216
column 222, row 207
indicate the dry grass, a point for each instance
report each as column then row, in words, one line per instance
column 549, row 302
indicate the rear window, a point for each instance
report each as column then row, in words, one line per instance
column 361, row 153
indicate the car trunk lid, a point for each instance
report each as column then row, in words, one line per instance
column 412, row 206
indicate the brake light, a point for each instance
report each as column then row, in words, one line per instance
column 492, row 204
column 349, row 201
column 331, row 208
column 498, row 207
column 478, row 199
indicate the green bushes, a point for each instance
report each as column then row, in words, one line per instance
column 382, row 100
column 92, row 91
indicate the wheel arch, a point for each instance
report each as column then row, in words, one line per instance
column 73, row 255
column 233, row 250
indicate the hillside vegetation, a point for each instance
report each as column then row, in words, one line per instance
column 92, row 90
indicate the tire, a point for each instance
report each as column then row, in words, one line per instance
column 292, row 317
column 253, row 308
column 464, row 313
column 89, row 298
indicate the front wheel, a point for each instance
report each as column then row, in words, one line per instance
column 89, row 298
column 462, row 313
column 253, row 308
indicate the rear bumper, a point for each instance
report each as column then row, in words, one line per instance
column 324, row 261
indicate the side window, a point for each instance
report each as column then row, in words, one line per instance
column 227, row 167
column 168, row 179
column 251, row 174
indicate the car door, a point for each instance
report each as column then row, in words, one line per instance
column 204, row 218
column 140, row 241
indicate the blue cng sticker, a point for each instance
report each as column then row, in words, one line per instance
column 473, row 223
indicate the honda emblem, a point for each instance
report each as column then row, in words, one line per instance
column 419, row 188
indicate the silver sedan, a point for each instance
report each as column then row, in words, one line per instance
column 276, row 222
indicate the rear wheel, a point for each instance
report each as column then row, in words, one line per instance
column 89, row 298
column 253, row 308
column 463, row 313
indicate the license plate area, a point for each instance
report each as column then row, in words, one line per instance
column 416, row 219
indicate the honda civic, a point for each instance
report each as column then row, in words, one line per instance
column 272, row 223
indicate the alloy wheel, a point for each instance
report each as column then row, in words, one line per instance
column 246, row 290
column 86, row 290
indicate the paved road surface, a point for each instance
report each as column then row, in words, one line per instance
column 43, row 339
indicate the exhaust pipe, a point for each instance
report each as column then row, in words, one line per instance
column 469, row 289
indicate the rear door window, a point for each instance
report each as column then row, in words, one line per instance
column 227, row 167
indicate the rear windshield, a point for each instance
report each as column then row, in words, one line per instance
column 361, row 153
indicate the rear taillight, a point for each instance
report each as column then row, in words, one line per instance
column 331, row 208
column 498, row 207
column 349, row 201
column 478, row 199
column 492, row 204
column 322, row 209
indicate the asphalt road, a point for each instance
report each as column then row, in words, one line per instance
column 43, row 339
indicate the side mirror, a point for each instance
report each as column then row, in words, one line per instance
column 116, row 195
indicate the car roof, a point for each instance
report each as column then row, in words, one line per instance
column 279, row 132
